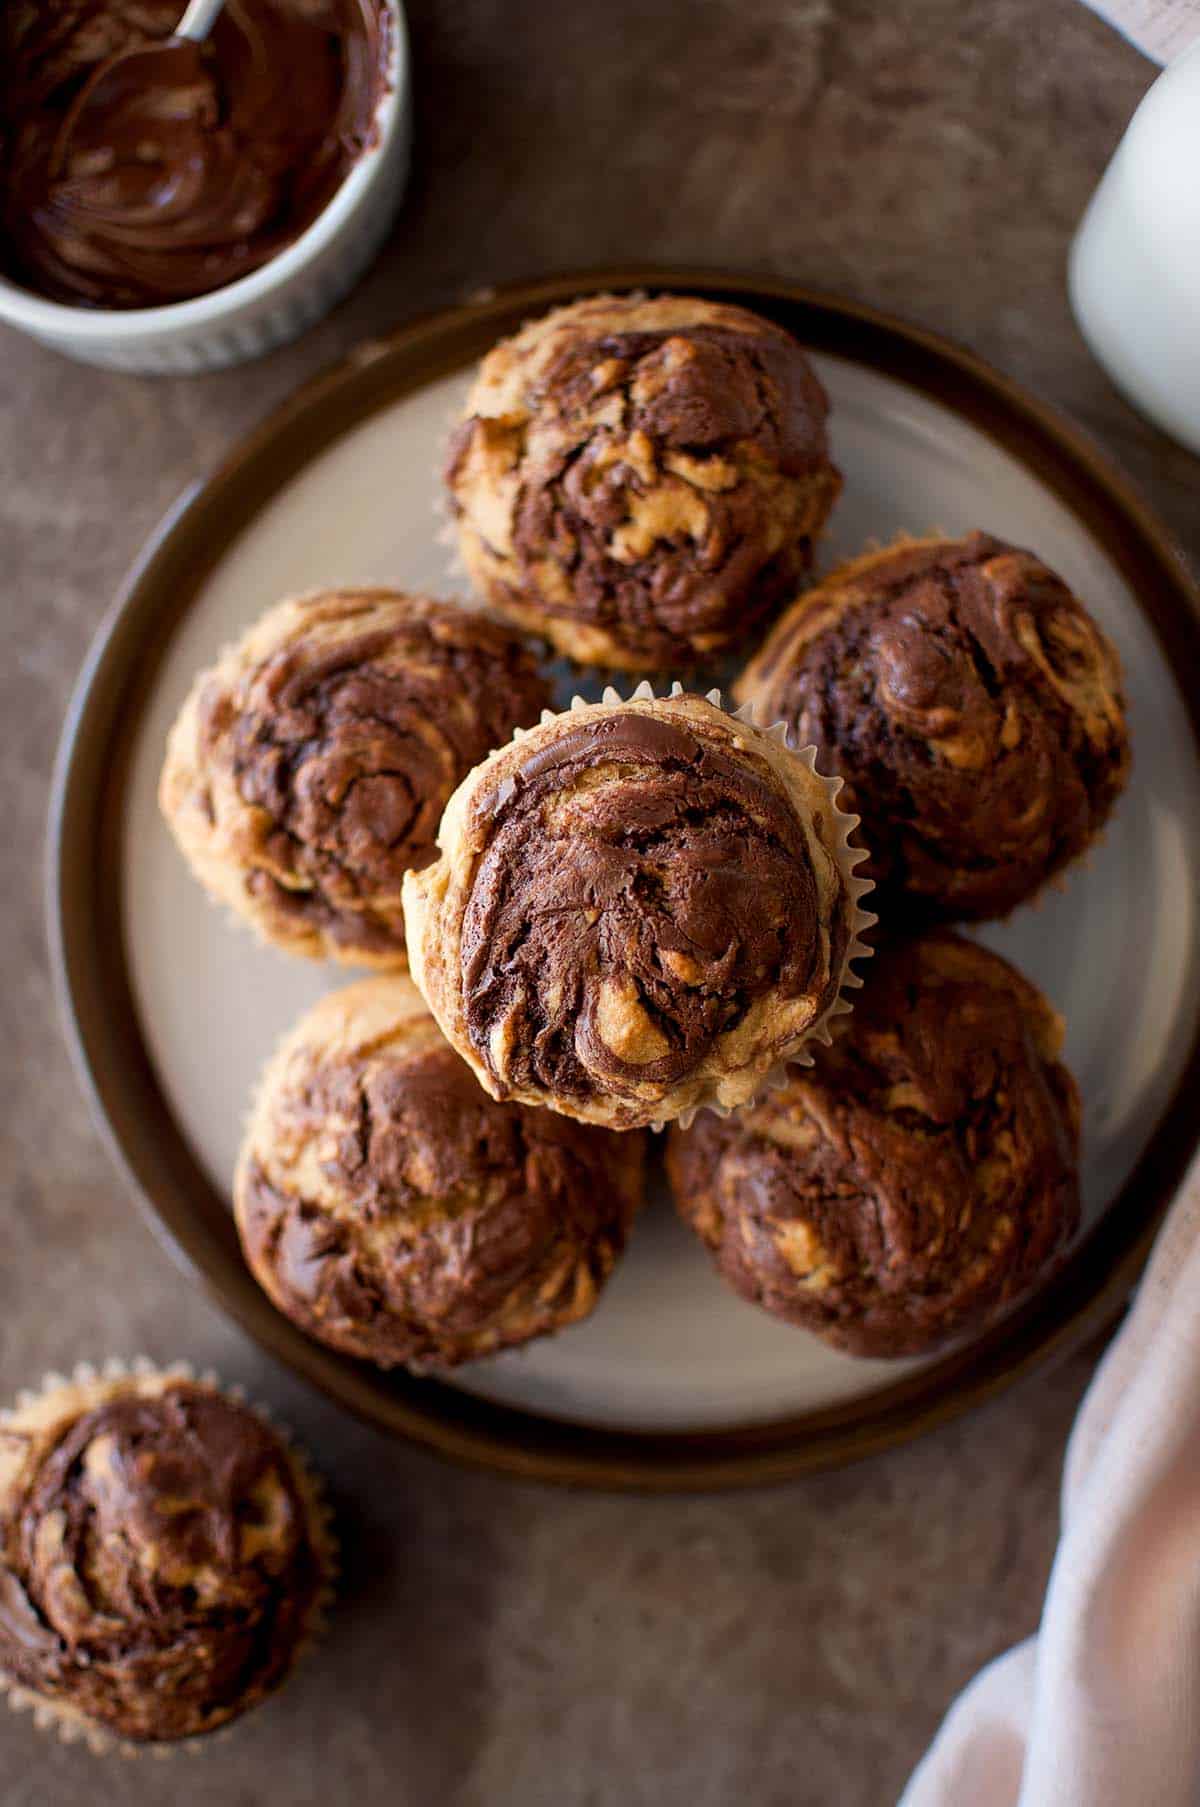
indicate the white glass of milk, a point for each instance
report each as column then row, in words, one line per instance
column 1135, row 262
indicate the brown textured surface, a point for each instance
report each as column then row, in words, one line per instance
column 158, row 1565
column 395, row 1211
column 922, row 1173
column 642, row 478
column 971, row 704
column 498, row 1643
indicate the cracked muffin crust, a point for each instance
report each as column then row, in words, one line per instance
column 639, row 907
column 163, row 1554
column 922, row 1174
column 309, row 767
column 973, row 708
column 393, row 1210
column 641, row 480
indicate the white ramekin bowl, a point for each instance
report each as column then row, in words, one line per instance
column 272, row 304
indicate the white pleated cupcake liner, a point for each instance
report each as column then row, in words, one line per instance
column 847, row 857
column 67, row 1723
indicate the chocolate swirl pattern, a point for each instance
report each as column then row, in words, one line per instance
column 973, row 708
column 640, row 907
column 180, row 184
column 161, row 1564
column 396, row 1212
column 309, row 769
column 920, row 1175
column 642, row 480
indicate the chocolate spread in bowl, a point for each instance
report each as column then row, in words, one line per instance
column 172, row 189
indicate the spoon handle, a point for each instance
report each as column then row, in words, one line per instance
column 198, row 20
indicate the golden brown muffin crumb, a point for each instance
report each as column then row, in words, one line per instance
column 924, row 1171
column 639, row 907
column 973, row 708
column 160, row 1565
column 642, row 480
column 309, row 768
column 395, row 1211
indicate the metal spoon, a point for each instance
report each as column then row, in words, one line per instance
column 159, row 80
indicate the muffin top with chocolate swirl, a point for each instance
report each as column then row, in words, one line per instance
column 392, row 1209
column 641, row 480
column 971, row 704
column 309, row 767
column 919, row 1176
column 639, row 907
column 161, row 1557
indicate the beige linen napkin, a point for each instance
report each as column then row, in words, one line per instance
column 1102, row 1707
column 1162, row 29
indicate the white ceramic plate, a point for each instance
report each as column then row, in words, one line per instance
column 673, row 1383
column 670, row 1348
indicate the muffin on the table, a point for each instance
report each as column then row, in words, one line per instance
column 922, row 1174
column 164, row 1557
column 393, row 1210
column 642, row 480
column 308, row 769
column 639, row 908
column 972, row 706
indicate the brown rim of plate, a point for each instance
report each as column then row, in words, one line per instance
column 85, row 905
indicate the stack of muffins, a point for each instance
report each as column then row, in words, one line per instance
column 630, row 915
column 644, row 912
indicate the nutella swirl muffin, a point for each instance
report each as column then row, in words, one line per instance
column 642, row 481
column 393, row 1210
column 639, row 908
column 163, row 1556
column 973, row 708
column 919, row 1176
column 309, row 767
